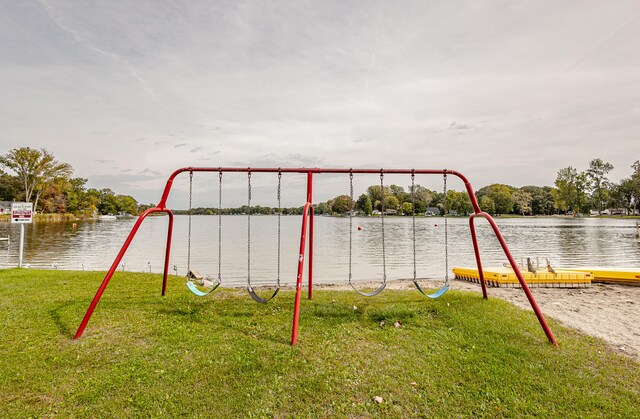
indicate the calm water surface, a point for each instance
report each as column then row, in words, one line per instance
column 94, row 244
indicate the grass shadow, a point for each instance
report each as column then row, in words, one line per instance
column 56, row 315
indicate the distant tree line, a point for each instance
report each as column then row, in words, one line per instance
column 574, row 193
column 36, row 176
column 243, row 210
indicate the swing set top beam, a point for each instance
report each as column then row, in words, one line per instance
column 318, row 170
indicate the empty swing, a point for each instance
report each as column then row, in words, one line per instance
column 250, row 289
column 384, row 264
column 444, row 287
column 194, row 278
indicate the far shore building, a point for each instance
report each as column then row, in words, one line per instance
column 431, row 211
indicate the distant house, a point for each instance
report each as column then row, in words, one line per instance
column 431, row 211
column 5, row 207
column 390, row 212
column 593, row 213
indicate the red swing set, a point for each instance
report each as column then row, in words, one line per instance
column 307, row 230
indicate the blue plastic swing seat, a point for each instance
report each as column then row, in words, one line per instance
column 192, row 287
column 436, row 294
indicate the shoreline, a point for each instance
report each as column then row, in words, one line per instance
column 66, row 217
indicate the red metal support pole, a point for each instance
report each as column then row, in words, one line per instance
column 296, row 307
column 311, row 213
column 114, row 266
column 167, row 253
column 476, row 250
column 523, row 283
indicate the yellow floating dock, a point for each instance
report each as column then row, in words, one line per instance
column 624, row 276
column 506, row 277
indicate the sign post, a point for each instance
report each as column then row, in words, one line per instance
column 21, row 213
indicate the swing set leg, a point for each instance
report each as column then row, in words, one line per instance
column 114, row 265
column 296, row 307
column 166, row 255
column 310, row 256
column 476, row 250
column 516, row 270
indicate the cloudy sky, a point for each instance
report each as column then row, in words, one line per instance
column 503, row 91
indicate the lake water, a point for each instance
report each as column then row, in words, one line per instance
column 93, row 245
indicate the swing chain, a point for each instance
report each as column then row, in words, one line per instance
column 279, row 216
column 446, row 231
column 220, row 226
column 249, row 229
column 384, row 259
column 350, row 221
column 189, row 234
column 413, row 220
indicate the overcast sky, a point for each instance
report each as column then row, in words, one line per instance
column 503, row 91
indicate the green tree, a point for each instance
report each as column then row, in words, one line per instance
column 342, row 204
column 36, row 169
column 598, row 182
column 522, row 201
column 421, row 207
column 487, row 205
column 129, row 205
column 501, row 195
column 391, row 202
column 322, row 208
column 91, row 200
column 542, row 202
column 81, row 201
column 622, row 194
column 399, row 192
column 396, row 190
column 9, row 187
column 635, row 185
column 108, row 202
column 53, row 197
column 571, row 190
column 406, row 208
column 376, row 193
column 627, row 193
column 459, row 202
column 423, row 195
column 364, row 204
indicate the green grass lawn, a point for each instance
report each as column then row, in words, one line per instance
column 225, row 355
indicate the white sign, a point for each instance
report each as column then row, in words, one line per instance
column 21, row 212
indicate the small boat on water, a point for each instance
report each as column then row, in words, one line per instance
column 108, row 217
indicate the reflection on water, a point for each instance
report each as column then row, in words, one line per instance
column 93, row 245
